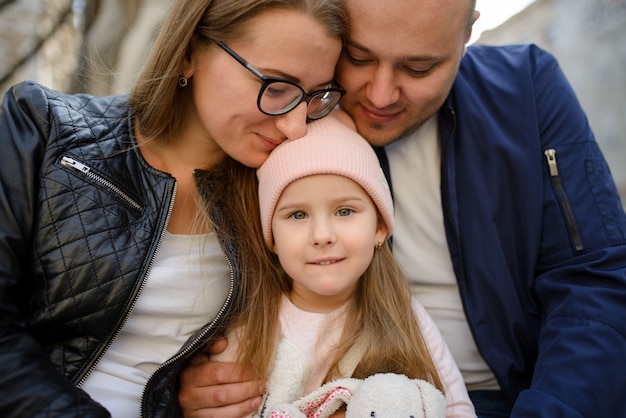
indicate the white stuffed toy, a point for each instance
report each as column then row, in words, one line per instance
column 383, row 395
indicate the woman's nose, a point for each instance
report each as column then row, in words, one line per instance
column 293, row 123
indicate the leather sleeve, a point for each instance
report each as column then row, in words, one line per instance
column 30, row 385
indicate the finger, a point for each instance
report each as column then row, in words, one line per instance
column 218, row 346
column 215, row 384
column 238, row 410
column 233, row 399
column 199, row 358
column 217, row 373
column 209, row 373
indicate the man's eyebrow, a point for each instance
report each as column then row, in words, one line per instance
column 414, row 58
column 357, row 46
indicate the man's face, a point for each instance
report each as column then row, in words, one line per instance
column 400, row 62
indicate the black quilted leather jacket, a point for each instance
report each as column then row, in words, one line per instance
column 81, row 216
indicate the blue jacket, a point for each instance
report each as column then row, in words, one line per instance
column 537, row 234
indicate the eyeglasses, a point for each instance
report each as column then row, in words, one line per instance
column 279, row 96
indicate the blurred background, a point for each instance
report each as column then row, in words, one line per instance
column 97, row 46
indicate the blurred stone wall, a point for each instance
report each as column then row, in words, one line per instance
column 39, row 40
column 93, row 46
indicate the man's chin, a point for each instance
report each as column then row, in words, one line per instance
column 377, row 134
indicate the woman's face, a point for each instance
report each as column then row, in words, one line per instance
column 224, row 116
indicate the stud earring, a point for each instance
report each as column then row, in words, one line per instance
column 182, row 81
column 378, row 245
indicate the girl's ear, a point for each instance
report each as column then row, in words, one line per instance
column 381, row 231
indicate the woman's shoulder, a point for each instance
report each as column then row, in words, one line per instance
column 43, row 100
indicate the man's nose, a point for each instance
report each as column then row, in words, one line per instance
column 383, row 89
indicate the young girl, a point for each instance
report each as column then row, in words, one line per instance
column 334, row 303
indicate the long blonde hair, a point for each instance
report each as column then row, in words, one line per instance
column 156, row 100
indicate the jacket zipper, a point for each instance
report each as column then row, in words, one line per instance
column 141, row 287
column 562, row 196
column 86, row 170
column 202, row 335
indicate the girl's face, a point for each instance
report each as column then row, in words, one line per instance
column 224, row 116
column 325, row 228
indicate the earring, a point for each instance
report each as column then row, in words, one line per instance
column 182, row 81
column 378, row 245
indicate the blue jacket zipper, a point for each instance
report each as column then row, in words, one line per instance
column 563, row 200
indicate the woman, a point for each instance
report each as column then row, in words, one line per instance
column 111, row 273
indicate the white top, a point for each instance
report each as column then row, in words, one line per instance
column 314, row 334
column 185, row 289
column 420, row 246
column 307, row 337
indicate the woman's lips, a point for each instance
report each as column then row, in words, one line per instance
column 269, row 142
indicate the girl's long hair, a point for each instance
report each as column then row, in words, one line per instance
column 383, row 323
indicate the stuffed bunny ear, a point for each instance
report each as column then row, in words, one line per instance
column 321, row 403
column 285, row 410
column 328, row 404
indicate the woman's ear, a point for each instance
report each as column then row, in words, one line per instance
column 188, row 63
column 187, row 67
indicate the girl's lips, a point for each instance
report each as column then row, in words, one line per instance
column 326, row 262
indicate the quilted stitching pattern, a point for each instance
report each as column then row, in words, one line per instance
column 91, row 246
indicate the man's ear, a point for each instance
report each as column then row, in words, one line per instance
column 468, row 36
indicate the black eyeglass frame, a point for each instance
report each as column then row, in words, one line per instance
column 267, row 81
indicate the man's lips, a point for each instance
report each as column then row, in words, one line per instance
column 379, row 116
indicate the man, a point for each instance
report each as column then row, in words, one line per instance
column 509, row 225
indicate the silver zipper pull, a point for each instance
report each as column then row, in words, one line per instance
column 73, row 163
column 551, row 156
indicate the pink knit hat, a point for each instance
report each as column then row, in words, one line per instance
column 329, row 147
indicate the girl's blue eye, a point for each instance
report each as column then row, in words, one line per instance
column 298, row 215
column 344, row 212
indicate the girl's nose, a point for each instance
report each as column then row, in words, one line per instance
column 322, row 233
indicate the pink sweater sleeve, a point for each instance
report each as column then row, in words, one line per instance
column 459, row 404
